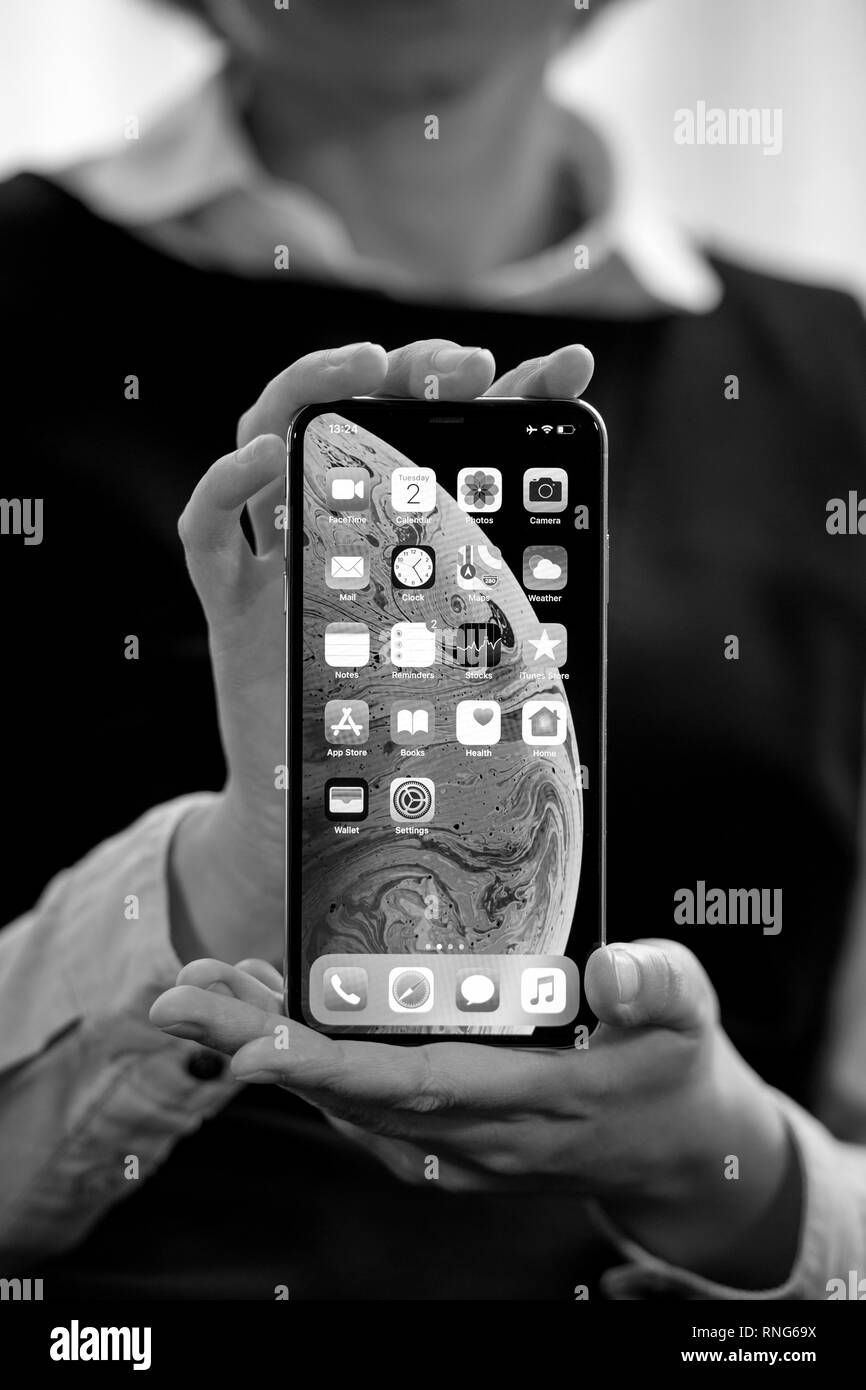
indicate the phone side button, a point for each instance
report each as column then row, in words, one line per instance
column 607, row 570
column 285, row 592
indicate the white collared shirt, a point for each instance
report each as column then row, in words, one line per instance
column 193, row 185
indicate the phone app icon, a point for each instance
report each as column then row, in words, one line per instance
column 348, row 489
column 479, row 567
column 545, row 489
column 346, row 799
column 413, row 800
column 477, row 991
column 545, row 721
column 347, row 571
column 347, row 721
column 479, row 489
column 479, row 721
column 413, row 489
column 410, row 991
column 413, row 566
column 347, row 644
column 543, row 990
column 477, row 646
column 546, row 647
column 413, row 645
column 412, row 723
column 545, row 567
column 344, row 987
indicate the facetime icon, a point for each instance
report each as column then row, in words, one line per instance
column 348, row 489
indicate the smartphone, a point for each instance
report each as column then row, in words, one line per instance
column 446, row 640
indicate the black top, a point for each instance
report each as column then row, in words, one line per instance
column 740, row 773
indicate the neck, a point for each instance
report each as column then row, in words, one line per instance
column 442, row 209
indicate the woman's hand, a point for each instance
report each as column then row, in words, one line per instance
column 647, row 1118
column 227, row 858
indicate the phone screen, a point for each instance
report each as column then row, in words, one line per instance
column 446, row 616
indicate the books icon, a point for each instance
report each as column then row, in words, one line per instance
column 412, row 723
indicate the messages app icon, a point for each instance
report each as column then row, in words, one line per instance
column 477, row 990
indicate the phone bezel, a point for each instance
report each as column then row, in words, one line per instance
column 551, row 1038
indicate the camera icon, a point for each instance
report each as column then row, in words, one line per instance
column 545, row 489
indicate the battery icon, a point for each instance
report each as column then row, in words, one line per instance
column 565, row 429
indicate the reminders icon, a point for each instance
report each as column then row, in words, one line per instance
column 347, row 644
column 413, row 644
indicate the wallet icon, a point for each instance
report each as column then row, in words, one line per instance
column 346, row 800
column 347, row 572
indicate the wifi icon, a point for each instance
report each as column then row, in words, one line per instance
column 546, row 429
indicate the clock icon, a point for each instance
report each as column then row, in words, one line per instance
column 413, row 566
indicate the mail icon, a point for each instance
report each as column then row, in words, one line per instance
column 348, row 572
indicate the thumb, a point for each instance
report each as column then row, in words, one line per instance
column 650, row 983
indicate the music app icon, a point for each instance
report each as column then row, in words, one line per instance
column 543, row 990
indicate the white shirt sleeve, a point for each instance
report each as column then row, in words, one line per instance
column 831, row 1256
column 92, row 1096
column 832, row 1243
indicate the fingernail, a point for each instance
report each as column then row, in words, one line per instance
column 254, row 1076
column 627, row 976
column 219, row 987
column 338, row 356
column 448, row 359
column 186, row 1030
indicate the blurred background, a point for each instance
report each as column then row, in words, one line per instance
column 72, row 71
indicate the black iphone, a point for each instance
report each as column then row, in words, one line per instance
column 446, row 597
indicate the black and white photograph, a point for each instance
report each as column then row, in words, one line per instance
column 433, row 541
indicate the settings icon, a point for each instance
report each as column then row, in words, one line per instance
column 413, row 800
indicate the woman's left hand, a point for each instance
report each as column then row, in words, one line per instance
column 646, row 1118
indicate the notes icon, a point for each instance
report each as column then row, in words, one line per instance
column 543, row 990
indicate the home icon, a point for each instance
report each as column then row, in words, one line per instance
column 544, row 721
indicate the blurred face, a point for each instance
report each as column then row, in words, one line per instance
column 410, row 50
